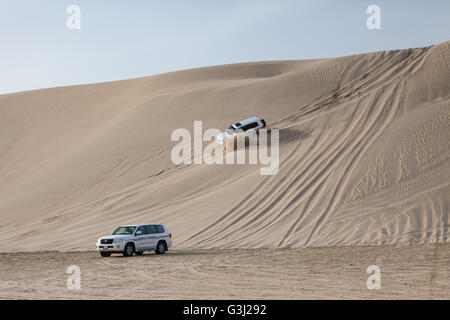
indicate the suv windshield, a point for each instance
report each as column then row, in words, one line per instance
column 124, row 230
column 230, row 130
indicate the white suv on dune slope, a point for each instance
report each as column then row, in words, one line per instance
column 246, row 127
column 136, row 239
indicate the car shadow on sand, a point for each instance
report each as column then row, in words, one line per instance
column 291, row 134
column 285, row 136
column 170, row 253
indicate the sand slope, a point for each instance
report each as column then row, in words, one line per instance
column 364, row 156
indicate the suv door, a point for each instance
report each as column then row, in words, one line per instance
column 140, row 240
column 160, row 233
column 151, row 235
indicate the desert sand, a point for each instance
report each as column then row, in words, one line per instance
column 364, row 156
column 406, row 272
column 364, row 178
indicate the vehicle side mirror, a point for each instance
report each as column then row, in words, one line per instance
column 138, row 233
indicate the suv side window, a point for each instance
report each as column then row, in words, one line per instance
column 142, row 229
column 159, row 228
column 250, row 126
column 150, row 229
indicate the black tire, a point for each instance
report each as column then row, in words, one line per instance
column 105, row 254
column 139, row 253
column 161, row 247
column 128, row 250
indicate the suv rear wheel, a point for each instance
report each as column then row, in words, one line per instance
column 128, row 250
column 160, row 248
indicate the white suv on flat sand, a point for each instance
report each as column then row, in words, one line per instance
column 136, row 239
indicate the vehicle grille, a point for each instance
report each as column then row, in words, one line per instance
column 106, row 241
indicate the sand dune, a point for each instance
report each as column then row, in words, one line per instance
column 364, row 156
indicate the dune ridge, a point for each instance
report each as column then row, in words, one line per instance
column 364, row 156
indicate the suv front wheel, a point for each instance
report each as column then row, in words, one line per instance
column 128, row 250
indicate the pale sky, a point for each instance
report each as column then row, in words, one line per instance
column 121, row 39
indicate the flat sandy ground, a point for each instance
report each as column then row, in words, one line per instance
column 407, row 272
